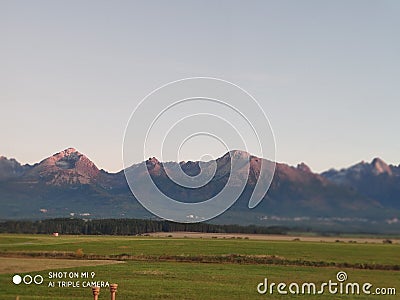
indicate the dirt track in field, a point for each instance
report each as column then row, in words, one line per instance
column 272, row 237
column 22, row 265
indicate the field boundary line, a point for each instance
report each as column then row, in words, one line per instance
column 228, row 258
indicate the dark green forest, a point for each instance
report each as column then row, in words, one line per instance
column 126, row 227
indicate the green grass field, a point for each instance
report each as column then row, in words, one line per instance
column 153, row 279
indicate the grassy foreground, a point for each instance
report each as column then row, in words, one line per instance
column 154, row 279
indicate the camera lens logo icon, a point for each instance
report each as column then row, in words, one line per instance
column 196, row 118
column 27, row 279
column 17, row 279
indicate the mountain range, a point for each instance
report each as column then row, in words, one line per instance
column 363, row 197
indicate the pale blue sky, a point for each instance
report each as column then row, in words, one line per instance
column 327, row 73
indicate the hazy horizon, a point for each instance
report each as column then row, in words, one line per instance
column 218, row 156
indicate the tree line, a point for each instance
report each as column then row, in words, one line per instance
column 126, row 227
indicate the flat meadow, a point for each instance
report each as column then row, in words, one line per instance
column 201, row 267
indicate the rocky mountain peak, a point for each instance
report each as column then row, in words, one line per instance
column 10, row 168
column 303, row 167
column 62, row 155
column 69, row 151
column 4, row 159
column 66, row 167
column 239, row 154
column 153, row 166
column 380, row 167
column 153, row 160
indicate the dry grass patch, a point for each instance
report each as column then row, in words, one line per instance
column 9, row 265
column 273, row 237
